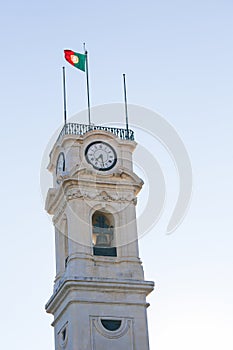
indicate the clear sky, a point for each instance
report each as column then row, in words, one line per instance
column 177, row 56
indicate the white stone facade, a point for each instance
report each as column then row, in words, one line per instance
column 99, row 299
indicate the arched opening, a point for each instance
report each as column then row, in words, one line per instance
column 103, row 234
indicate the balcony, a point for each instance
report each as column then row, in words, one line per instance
column 81, row 129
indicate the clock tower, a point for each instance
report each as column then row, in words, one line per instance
column 99, row 296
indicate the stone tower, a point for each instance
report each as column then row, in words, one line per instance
column 99, row 297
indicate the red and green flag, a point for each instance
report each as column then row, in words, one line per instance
column 77, row 60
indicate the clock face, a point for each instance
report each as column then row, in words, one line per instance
column 101, row 155
column 60, row 168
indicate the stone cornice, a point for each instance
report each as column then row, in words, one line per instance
column 121, row 176
column 95, row 285
column 117, row 187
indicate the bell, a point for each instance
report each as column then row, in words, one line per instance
column 102, row 240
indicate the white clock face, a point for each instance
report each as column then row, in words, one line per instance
column 60, row 165
column 101, row 155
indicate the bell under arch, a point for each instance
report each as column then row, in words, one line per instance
column 103, row 234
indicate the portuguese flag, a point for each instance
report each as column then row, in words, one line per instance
column 76, row 59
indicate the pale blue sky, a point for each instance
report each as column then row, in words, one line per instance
column 177, row 56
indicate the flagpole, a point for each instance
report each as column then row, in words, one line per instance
column 64, row 93
column 126, row 108
column 88, row 92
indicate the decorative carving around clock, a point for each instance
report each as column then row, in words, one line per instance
column 101, row 155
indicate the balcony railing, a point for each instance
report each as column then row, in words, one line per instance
column 81, row 129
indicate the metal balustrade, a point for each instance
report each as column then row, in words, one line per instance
column 81, row 129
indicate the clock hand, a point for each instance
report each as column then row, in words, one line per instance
column 100, row 156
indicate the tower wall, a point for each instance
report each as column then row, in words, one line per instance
column 99, row 297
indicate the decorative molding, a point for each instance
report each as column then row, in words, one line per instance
column 54, row 207
column 63, row 335
column 59, row 212
column 81, row 283
column 75, row 193
column 128, row 185
column 101, row 337
column 126, row 323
